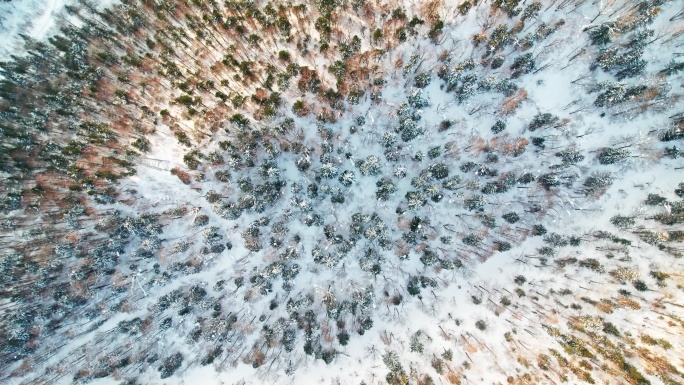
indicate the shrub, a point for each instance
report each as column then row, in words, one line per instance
column 464, row 7
column 622, row 221
column 542, row 120
column 471, row 240
column 201, row 220
column 347, row 178
column 413, row 286
column 183, row 138
column 655, row 200
column 284, row 55
column 370, row 166
column 438, row 365
column 434, row 152
column 343, row 338
column 474, row 203
column 549, row 180
column 385, row 188
column 502, row 246
column 640, row 285
column 499, row 126
column 601, row 35
column 511, row 217
column 182, row 175
column 439, row 171
column 597, row 182
column 422, row 80
column 609, row 328
column 679, row 191
column 538, row 230
column 609, row 155
column 142, row 144
column 592, row 264
column 497, row 62
column 222, row 176
column 522, row 65
column 170, row 365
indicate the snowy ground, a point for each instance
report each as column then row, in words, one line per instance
column 35, row 18
column 446, row 316
column 38, row 19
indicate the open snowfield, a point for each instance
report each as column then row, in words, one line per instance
column 392, row 192
column 35, row 18
column 38, row 19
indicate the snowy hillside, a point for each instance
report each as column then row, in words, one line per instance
column 344, row 192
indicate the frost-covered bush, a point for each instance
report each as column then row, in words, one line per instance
column 212, row 236
column 549, row 180
column 602, row 34
column 415, row 199
column 506, row 87
column 496, row 187
column 328, row 171
column 439, row 171
column 170, row 365
column 597, row 182
column 498, row 127
column 474, row 203
column 434, row 152
column 422, row 80
column 497, row 62
column 511, row 217
column 542, row 120
column 385, row 188
column 389, row 139
column 523, row 64
column 626, row 274
column 538, row 230
column 222, row 176
column 502, row 246
column 609, row 155
column 570, row 156
column 500, row 37
column 303, row 163
column 429, row 257
column 640, row 285
column 616, row 93
column 471, row 240
column 370, row 166
column 556, row 240
column 452, row 183
column 622, row 221
column 526, row 178
column 410, row 130
column 422, row 179
column 180, row 247
column 347, row 178
column 417, row 100
column 655, row 200
column 592, row 264
column 400, row 172
column 679, row 191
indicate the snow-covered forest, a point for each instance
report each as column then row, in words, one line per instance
column 342, row 192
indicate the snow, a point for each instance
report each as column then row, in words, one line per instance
column 447, row 314
column 38, row 19
column 35, row 18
